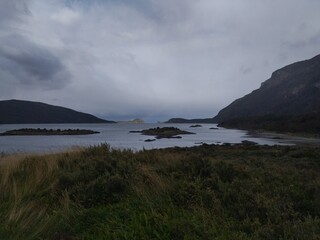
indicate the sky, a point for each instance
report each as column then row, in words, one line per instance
column 149, row 59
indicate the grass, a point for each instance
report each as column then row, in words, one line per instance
column 205, row 192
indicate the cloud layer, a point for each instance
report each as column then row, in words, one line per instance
column 31, row 65
column 150, row 59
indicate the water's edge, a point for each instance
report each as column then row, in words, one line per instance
column 118, row 136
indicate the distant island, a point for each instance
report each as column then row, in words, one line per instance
column 165, row 132
column 134, row 121
column 196, row 126
column 26, row 112
column 46, row 132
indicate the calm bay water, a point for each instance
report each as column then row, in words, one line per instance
column 118, row 136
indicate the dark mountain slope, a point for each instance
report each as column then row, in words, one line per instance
column 17, row 111
column 291, row 91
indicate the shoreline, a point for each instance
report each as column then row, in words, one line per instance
column 286, row 138
column 47, row 132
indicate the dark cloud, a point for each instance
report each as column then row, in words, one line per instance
column 245, row 70
column 31, row 64
column 313, row 41
column 12, row 10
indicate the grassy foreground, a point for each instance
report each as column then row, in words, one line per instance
column 206, row 192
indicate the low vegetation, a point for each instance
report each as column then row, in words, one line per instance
column 206, row 192
column 44, row 131
column 306, row 124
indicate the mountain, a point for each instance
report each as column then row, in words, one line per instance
column 291, row 91
column 17, row 111
column 287, row 102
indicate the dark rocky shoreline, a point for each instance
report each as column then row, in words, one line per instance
column 46, row 132
column 165, row 132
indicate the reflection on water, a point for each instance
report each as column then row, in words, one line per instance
column 118, row 136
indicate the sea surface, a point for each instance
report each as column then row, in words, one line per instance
column 118, row 136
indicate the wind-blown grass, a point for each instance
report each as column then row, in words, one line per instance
column 206, row 192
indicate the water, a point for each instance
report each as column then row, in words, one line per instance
column 118, row 136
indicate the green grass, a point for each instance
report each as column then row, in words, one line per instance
column 206, row 192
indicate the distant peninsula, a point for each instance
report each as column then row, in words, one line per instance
column 198, row 120
column 46, row 132
column 27, row 112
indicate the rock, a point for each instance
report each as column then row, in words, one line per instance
column 248, row 143
column 195, row 126
column 165, row 132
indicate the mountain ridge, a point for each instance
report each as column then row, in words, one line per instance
column 28, row 112
column 291, row 90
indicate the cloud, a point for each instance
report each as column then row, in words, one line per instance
column 31, row 64
column 13, row 10
column 150, row 58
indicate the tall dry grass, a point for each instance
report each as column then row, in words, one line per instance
column 26, row 181
column 207, row 192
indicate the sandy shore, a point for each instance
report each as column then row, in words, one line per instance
column 286, row 138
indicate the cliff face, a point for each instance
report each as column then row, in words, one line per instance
column 292, row 90
column 16, row 112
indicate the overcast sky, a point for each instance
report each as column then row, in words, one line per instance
column 152, row 59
